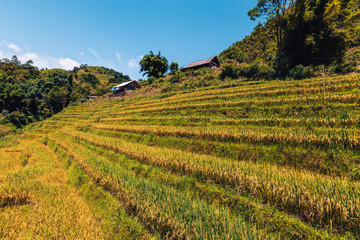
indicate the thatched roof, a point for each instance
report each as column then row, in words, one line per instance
column 209, row 61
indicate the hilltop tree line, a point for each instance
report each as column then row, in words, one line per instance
column 28, row 94
column 301, row 33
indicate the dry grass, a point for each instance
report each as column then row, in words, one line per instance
column 40, row 203
column 110, row 170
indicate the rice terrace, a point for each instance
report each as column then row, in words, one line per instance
column 261, row 141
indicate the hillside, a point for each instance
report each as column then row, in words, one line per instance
column 314, row 33
column 107, row 77
column 28, row 94
column 95, row 80
column 237, row 159
column 266, row 147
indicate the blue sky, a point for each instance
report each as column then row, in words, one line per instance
column 116, row 34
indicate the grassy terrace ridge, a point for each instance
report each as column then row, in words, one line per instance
column 237, row 160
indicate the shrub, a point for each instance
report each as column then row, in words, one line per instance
column 151, row 79
column 256, row 71
column 203, row 71
column 230, row 71
column 265, row 71
column 238, row 56
column 248, row 71
column 89, row 78
column 344, row 68
column 185, row 86
column 17, row 118
column 300, row 72
column 168, row 87
column 178, row 77
column 101, row 91
column 174, row 66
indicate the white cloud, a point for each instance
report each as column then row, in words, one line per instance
column 67, row 63
column 2, row 54
column 82, row 53
column 94, row 53
column 28, row 56
column 14, row 47
column 42, row 61
column 118, row 57
column 133, row 64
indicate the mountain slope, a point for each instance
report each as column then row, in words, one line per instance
column 28, row 94
column 315, row 32
column 256, row 159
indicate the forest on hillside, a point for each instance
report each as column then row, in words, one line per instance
column 28, row 94
column 312, row 33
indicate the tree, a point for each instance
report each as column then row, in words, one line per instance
column 28, row 63
column 174, row 66
column 59, row 97
column 314, row 34
column 83, row 66
column 26, row 94
column 273, row 10
column 153, row 65
column 90, row 78
column 15, row 60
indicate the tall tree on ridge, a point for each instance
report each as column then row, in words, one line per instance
column 154, row 65
column 273, row 10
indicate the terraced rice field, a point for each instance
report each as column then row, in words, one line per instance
column 242, row 160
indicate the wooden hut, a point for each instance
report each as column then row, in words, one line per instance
column 212, row 63
column 126, row 87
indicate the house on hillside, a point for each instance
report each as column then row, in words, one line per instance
column 126, row 87
column 92, row 97
column 212, row 63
